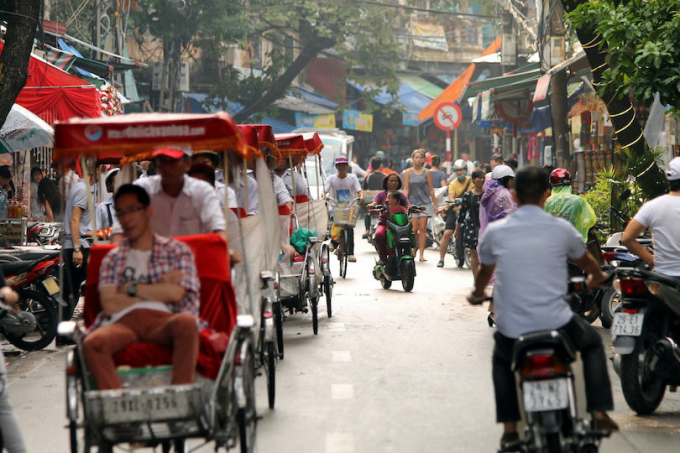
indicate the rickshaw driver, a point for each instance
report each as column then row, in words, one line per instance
column 182, row 205
column 149, row 291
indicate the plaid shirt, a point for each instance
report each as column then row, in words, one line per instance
column 166, row 256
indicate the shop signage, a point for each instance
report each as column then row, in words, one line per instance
column 410, row 119
column 326, row 121
column 357, row 121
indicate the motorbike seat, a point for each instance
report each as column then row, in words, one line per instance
column 17, row 267
column 542, row 338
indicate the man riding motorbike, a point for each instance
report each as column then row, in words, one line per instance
column 457, row 188
column 662, row 216
column 562, row 203
column 520, row 248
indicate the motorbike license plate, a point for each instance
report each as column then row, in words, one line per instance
column 546, row 395
column 145, row 407
column 51, row 286
column 627, row 324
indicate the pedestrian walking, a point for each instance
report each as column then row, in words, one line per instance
column 418, row 189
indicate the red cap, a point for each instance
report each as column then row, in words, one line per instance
column 172, row 153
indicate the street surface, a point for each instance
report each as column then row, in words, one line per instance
column 390, row 372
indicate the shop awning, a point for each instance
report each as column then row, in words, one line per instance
column 422, row 86
column 314, row 99
column 55, row 95
column 411, row 99
column 505, row 83
column 578, row 62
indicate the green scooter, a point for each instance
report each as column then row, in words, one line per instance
column 401, row 239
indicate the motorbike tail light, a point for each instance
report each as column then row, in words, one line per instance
column 654, row 288
column 542, row 366
column 630, row 310
column 633, row 287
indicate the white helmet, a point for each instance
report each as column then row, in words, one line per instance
column 459, row 165
column 501, row 171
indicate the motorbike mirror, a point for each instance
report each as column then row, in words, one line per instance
column 625, row 195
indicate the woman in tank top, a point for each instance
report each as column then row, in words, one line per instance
column 419, row 191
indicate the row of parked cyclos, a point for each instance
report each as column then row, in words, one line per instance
column 642, row 309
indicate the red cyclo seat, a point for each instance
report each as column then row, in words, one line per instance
column 218, row 306
column 240, row 212
column 301, row 198
column 284, row 210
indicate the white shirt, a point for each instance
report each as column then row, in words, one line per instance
column 102, row 214
column 470, row 167
column 301, row 187
column 196, row 210
column 662, row 216
column 252, row 208
column 357, row 170
column 342, row 190
column 530, row 249
column 282, row 194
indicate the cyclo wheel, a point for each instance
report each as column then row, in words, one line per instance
column 246, row 417
column 278, row 324
column 328, row 291
column 270, row 367
column 79, row 431
column 46, row 316
column 314, row 302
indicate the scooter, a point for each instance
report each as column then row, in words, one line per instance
column 646, row 334
column 401, row 239
column 615, row 257
column 32, row 323
column 542, row 362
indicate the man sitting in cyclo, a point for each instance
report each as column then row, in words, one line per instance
column 343, row 188
column 149, row 290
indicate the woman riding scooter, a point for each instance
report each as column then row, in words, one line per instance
column 390, row 183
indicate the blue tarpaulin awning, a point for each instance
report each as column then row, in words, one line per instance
column 412, row 100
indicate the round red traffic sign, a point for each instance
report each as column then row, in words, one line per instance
column 447, row 116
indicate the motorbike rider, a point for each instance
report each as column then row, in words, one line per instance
column 497, row 202
column 520, row 248
column 562, row 203
column 392, row 183
column 662, row 216
column 457, row 188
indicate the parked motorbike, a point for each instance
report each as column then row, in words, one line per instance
column 646, row 336
column 401, row 239
column 542, row 362
column 32, row 324
column 45, row 233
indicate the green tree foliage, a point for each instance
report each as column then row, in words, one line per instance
column 642, row 37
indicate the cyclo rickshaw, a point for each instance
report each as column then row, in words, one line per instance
column 259, row 238
column 220, row 405
column 307, row 276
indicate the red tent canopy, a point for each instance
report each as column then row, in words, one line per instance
column 265, row 137
column 292, row 145
column 313, row 142
column 54, row 95
column 136, row 136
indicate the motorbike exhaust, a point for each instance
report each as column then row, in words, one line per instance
column 667, row 358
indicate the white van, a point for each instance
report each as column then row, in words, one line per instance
column 336, row 142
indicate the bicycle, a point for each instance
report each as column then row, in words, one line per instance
column 345, row 218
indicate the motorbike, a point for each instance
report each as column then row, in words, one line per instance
column 401, row 239
column 45, row 233
column 615, row 257
column 32, row 324
column 542, row 362
column 646, row 334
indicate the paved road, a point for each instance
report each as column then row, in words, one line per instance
column 390, row 372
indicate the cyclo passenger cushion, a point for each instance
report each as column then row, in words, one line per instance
column 301, row 198
column 217, row 305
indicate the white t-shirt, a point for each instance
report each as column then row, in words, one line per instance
column 343, row 190
column 662, row 216
column 137, row 270
column 530, row 250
